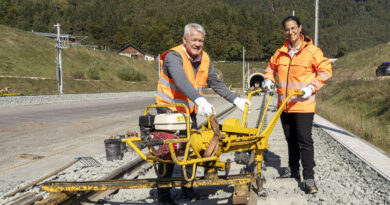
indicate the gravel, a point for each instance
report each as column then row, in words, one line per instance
column 12, row 101
column 343, row 178
column 77, row 172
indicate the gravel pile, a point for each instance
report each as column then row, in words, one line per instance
column 77, row 172
column 343, row 178
column 11, row 101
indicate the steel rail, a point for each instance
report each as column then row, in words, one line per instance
column 132, row 168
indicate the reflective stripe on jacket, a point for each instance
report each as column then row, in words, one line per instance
column 307, row 67
column 168, row 92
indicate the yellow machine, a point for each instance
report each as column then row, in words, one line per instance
column 232, row 136
column 7, row 92
column 169, row 139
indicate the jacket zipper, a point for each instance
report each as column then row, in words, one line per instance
column 288, row 72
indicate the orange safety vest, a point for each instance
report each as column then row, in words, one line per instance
column 167, row 91
column 307, row 67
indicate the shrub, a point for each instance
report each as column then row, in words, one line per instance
column 78, row 75
column 93, row 72
column 127, row 73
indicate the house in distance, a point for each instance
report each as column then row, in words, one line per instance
column 132, row 51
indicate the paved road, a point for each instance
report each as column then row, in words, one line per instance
column 60, row 132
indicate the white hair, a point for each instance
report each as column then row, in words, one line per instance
column 195, row 26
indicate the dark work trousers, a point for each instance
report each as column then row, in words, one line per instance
column 297, row 129
column 164, row 193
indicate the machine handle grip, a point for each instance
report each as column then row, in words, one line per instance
column 155, row 143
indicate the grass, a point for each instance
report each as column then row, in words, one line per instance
column 360, row 106
column 23, row 54
column 232, row 71
column 361, row 64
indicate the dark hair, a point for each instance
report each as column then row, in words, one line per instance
column 296, row 19
column 291, row 18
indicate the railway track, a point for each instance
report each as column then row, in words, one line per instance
column 375, row 192
column 131, row 170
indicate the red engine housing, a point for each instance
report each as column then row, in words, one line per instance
column 163, row 150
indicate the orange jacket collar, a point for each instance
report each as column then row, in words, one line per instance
column 284, row 48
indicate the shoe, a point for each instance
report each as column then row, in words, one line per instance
column 291, row 173
column 309, row 186
column 190, row 195
column 166, row 201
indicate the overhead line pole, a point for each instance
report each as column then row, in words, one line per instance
column 59, row 60
column 247, row 75
column 243, row 69
column 316, row 26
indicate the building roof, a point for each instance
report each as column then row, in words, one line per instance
column 130, row 45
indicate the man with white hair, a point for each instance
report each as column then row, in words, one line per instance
column 186, row 71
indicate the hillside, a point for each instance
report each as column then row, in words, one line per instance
column 344, row 26
column 354, row 98
column 357, row 100
column 28, row 65
column 362, row 63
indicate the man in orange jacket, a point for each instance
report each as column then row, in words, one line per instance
column 186, row 70
column 299, row 65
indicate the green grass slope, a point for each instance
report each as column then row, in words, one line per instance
column 357, row 100
column 362, row 63
column 28, row 62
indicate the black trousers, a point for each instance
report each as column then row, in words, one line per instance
column 297, row 128
column 164, row 193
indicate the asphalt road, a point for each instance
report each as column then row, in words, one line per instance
column 61, row 132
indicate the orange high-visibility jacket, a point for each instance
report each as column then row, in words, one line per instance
column 307, row 67
column 167, row 91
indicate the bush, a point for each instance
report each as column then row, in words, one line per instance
column 127, row 73
column 78, row 75
column 93, row 72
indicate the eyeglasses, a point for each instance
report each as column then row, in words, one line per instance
column 294, row 28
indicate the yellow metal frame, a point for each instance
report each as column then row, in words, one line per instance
column 6, row 92
column 175, row 160
column 238, row 138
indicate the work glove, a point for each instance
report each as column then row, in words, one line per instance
column 204, row 107
column 240, row 103
column 269, row 85
column 307, row 91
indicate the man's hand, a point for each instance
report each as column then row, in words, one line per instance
column 240, row 103
column 307, row 91
column 269, row 85
column 204, row 107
